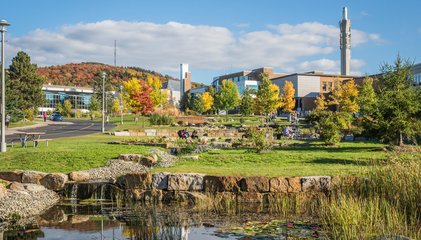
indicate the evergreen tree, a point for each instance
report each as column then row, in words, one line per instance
column 198, row 105
column 93, row 104
column 399, row 102
column 368, row 104
column 23, row 86
column 186, row 102
column 98, row 90
column 246, row 105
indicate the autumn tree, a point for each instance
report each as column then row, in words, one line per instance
column 267, row 100
column 23, row 86
column 138, row 97
column 158, row 96
column 345, row 96
column 320, row 103
column 207, row 101
column 227, row 97
column 288, row 101
column 246, row 105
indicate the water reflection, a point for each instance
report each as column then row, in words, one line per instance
column 104, row 220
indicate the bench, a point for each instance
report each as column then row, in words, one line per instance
column 36, row 141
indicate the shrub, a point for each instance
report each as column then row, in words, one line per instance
column 78, row 114
column 29, row 114
column 257, row 138
column 156, row 119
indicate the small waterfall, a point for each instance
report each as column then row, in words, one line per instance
column 103, row 188
column 73, row 192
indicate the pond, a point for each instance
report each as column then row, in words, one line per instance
column 105, row 220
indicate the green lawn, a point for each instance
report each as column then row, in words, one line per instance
column 66, row 154
column 24, row 123
column 312, row 158
column 316, row 159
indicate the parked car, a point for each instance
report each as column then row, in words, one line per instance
column 56, row 117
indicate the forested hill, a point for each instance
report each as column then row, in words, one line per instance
column 83, row 74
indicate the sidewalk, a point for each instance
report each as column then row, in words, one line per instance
column 11, row 131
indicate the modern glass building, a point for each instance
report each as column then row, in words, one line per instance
column 78, row 96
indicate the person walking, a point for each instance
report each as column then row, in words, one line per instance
column 44, row 115
column 7, row 121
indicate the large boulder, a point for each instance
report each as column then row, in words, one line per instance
column 31, row 187
column 315, row 183
column 130, row 157
column 135, row 180
column 160, row 181
column 79, row 176
column 185, row 182
column 33, row 177
column 284, row 185
column 254, row 184
column 148, row 161
column 54, row 181
column 10, row 176
column 221, row 184
column 16, row 186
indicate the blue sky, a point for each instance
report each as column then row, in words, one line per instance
column 214, row 37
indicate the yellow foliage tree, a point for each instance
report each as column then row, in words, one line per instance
column 345, row 96
column 320, row 103
column 267, row 100
column 130, row 87
column 158, row 97
column 288, row 101
column 207, row 101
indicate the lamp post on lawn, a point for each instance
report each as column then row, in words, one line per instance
column 3, row 25
column 103, row 75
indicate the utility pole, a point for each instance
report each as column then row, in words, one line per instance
column 103, row 74
column 3, row 25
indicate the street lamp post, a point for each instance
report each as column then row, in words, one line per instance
column 3, row 25
column 103, row 74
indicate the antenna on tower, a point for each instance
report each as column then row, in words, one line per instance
column 115, row 53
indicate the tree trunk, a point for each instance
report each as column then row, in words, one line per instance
column 143, row 121
column 400, row 138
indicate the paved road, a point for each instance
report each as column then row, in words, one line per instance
column 71, row 128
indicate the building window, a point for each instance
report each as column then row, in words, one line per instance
column 324, row 86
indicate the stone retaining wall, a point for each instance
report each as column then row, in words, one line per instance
column 163, row 186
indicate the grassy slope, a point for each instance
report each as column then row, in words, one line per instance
column 66, row 154
column 349, row 158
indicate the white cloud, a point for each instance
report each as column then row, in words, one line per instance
column 162, row 47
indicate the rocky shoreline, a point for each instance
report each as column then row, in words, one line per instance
column 25, row 200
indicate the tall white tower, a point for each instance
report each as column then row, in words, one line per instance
column 345, row 42
column 184, row 79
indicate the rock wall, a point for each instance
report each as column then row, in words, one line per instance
column 167, row 187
